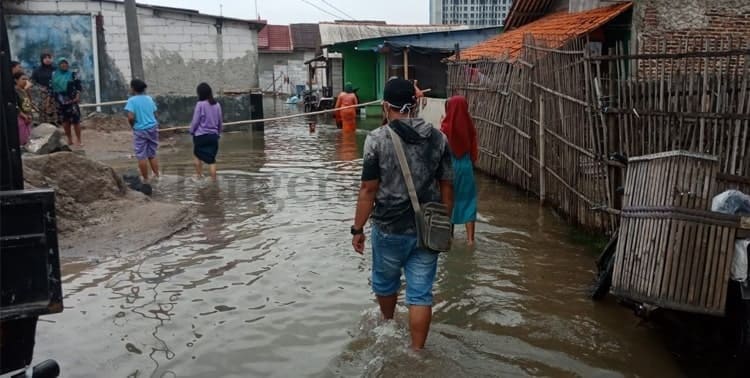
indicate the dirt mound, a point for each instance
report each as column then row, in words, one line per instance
column 77, row 181
column 96, row 213
column 105, row 122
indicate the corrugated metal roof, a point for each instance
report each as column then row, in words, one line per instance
column 559, row 27
column 305, row 36
column 331, row 33
column 275, row 38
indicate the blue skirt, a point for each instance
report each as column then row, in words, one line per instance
column 464, row 191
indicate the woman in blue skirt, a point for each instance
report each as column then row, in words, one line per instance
column 462, row 138
column 206, row 130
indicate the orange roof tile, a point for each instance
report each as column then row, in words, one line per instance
column 559, row 27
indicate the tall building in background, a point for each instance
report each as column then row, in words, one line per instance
column 469, row 12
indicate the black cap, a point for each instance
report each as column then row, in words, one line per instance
column 399, row 92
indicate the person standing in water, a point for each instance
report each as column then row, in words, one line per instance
column 67, row 91
column 384, row 195
column 42, row 76
column 458, row 127
column 141, row 110
column 206, row 129
column 348, row 117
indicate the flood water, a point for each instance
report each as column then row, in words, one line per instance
column 265, row 283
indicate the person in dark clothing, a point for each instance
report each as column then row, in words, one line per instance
column 384, row 198
column 41, row 93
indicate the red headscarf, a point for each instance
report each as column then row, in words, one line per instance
column 459, row 128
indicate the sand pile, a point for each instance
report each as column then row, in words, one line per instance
column 96, row 213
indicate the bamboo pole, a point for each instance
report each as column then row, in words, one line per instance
column 540, row 142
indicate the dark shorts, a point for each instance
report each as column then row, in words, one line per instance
column 205, row 147
column 145, row 143
column 69, row 113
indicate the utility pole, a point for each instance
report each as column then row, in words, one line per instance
column 134, row 40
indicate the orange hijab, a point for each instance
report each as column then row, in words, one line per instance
column 459, row 128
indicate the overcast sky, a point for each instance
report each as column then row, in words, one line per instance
column 293, row 11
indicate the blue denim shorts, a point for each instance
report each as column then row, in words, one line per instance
column 391, row 253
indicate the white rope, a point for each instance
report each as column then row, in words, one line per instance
column 103, row 104
column 282, row 117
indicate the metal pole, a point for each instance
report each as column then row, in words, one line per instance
column 406, row 63
column 95, row 44
column 134, row 40
column 11, row 170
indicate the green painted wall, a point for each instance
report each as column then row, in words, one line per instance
column 360, row 68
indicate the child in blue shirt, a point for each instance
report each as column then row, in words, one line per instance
column 141, row 111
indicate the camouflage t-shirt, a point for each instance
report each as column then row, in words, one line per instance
column 429, row 159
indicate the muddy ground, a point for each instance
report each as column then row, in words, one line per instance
column 97, row 215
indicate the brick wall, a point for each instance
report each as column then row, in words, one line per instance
column 179, row 50
column 691, row 22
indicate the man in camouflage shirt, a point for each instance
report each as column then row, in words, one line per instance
column 384, row 196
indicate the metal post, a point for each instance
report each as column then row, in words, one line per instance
column 542, row 167
column 406, row 63
column 134, row 40
column 11, row 170
column 97, row 81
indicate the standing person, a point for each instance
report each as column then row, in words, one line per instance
column 458, row 127
column 42, row 76
column 67, row 91
column 15, row 67
column 348, row 117
column 141, row 111
column 206, row 130
column 24, row 108
column 384, row 195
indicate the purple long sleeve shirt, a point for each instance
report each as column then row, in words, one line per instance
column 206, row 119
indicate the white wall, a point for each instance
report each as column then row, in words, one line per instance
column 179, row 50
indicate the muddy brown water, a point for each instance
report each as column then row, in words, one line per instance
column 266, row 283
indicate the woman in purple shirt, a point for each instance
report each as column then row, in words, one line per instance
column 205, row 129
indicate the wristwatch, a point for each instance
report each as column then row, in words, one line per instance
column 356, row 231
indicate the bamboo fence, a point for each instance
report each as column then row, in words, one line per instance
column 550, row 119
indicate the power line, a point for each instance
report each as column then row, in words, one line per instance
column 320, row 9
column 337, row 9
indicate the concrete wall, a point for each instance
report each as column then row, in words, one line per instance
column 179, row 50
column 291, row 65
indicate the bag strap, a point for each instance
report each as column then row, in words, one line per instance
column 405, row 169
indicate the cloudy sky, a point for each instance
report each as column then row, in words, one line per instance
column 292, row 11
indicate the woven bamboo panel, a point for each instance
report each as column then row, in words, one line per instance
column 675, row 258
column 676, row 178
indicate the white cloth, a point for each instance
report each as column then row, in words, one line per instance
column 739, row 261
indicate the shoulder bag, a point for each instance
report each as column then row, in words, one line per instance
column 434, row 228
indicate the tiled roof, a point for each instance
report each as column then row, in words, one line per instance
column 305, row 36
column 560, row 27
column 275, row 38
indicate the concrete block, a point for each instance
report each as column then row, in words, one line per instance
column 72, row 6
column 176, row 38
column 198, row 38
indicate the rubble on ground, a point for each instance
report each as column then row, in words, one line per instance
column 46, row 139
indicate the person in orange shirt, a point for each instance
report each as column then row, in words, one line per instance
column 348, row 117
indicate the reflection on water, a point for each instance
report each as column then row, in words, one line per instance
column 266, row 284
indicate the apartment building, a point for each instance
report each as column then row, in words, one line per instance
column 469, row 12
